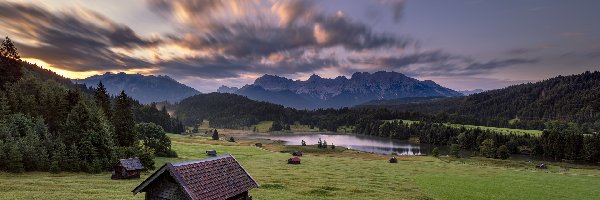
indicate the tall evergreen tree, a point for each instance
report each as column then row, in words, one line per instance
column 103, row 100
column 215, row 135
column 9, row 50
column 123, row 121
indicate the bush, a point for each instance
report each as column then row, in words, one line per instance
column 435, row 152
column 155, row 138
column 54, row 167
column 488, row 148
column 455, row 150
column 231, row 139
column 503, row 152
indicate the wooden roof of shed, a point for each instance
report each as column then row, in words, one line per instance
column 212, row 178
column 131, row 164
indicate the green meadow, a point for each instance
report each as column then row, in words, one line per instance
column 501, row 130
column 335, row 174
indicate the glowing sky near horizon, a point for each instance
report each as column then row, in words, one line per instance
column 463, row 44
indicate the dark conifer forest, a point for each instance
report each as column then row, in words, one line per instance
column 48, row 123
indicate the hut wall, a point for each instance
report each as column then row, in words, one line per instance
column 165, row 188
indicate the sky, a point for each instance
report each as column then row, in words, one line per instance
column 460, row 44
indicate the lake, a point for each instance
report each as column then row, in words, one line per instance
column 356, row 142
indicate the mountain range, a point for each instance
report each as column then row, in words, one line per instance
column 317, row 92
column 145, row 89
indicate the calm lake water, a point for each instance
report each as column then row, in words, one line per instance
column 356, row 142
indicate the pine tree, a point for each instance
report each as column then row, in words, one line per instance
column 103, row 100
column 123, row 121
column 215, row 135
column 9, row 50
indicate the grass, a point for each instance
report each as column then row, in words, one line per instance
column 500, row 130
column 337, row 174
column 264, row 126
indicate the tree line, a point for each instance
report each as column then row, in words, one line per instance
column 557, row 143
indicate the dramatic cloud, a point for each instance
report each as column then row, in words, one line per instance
column 438, row 63
column 76, row 40
column 249, row 41
column 202, row 40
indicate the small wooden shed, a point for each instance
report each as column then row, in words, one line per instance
column 297, row 153
column 127, row 169
column 294, row 161
column 393, row 160
column 221, row 178
column 258, row 144
column 211, row 153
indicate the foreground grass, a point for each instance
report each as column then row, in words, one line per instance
column 333, row 175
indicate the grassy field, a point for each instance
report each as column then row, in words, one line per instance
column 501, row 130
column 334, row 174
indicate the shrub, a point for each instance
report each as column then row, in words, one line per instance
column 435, row 152
column 503, row 152
column 455, row 150
column 488, row 148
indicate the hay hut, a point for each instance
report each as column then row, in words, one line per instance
column 211, row 153
column 127, row 169
column 220, row 178
column 294, row 161
column 297, row 153
column 393, row 160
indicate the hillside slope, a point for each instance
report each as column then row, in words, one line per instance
column 574, row 98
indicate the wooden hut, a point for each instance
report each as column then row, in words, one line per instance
column 393, row 160
column 127, row 169
column 297, row 153
column 211, row 153
column 294, row 161
column 258, row 144
column 220, row 178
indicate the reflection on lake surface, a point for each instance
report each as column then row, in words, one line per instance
column 357, row 142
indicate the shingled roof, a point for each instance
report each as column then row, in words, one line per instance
column 131, row 164
column 212, row 178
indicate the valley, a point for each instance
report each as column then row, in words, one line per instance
column 335, row 175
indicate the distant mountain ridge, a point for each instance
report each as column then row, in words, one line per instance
column 470, row 92
column 317, row 92
column 145, row 89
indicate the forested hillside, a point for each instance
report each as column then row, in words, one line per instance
column 572, row 98
column 229, row 110
column 48, row 124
